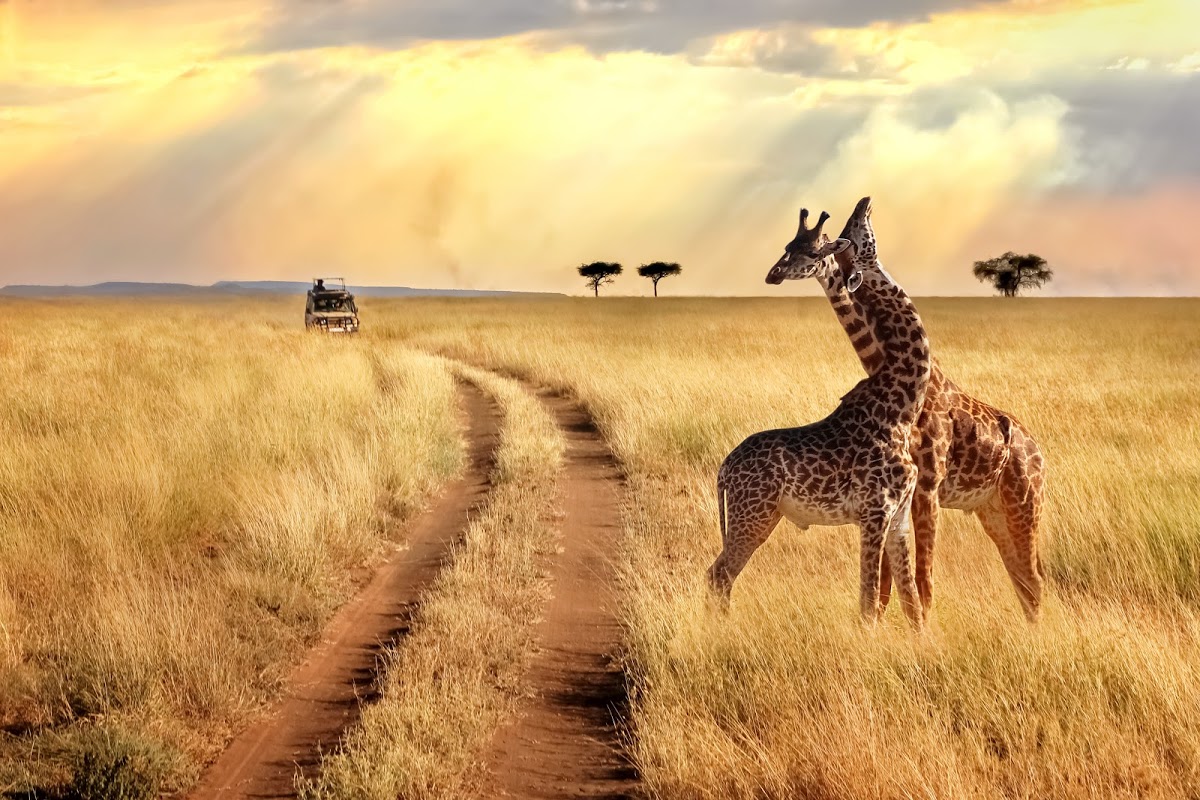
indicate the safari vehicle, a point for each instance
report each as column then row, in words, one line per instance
column 330, row 307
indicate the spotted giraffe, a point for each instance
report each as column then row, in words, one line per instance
column 970, row 455
column 854, row 466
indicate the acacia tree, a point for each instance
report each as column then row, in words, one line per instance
column 599, row 273
column 659, row 270
column 1010, row 273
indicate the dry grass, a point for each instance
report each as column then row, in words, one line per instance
column 457, row 676
column 111, row 610
column 185, row 492
column 787, row 696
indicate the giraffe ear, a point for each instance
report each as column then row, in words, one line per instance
column 833, row 248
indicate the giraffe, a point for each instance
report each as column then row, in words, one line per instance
column 970, row 455
column 854, row 466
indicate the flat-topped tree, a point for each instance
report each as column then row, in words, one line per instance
column 1010, row 273
column 659, row 270
column 599, row 273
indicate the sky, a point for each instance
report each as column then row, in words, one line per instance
column 498, row 145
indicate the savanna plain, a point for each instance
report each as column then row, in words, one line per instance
column 189, row 489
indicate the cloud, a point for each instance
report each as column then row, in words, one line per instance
column 1187, row 63
column 791, row 49
column 658, row 26
column 596, row 134
column 427, row 167
column 934, row 186
column 1125, row 130
column 1134, row 130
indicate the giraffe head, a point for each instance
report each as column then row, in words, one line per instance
column 862, row 252
column 809, row 254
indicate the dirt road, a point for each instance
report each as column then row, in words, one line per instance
column 565, row 743
column 323, row 694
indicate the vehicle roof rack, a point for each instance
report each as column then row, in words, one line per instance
column 331, row 284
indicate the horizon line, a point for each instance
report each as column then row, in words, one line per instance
column 32, row 291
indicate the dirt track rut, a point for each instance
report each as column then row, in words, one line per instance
column 324, row 693
column 565, row 743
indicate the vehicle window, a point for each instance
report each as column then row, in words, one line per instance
column 334, row 304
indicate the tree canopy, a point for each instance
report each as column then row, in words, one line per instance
column 658, row 270
column 1011, row 273
column 599, row 273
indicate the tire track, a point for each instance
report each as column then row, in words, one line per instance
column 325, row 693
column 567, row 741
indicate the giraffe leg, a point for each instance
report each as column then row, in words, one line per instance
column 925, row 510
column 885, row 584
column 1012, row 516
column 930, row 458
column 873, row 529
column 1017, row 544
column 1021, row 496
column 897, row 552
column 745, row 532
column 890, row 528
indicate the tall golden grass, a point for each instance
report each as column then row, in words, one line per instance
column 186, row 492
column 786, row 695
column 161, row 559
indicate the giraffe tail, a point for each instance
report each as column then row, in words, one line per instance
column 722, row 507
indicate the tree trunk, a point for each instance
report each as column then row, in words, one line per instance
column 656, row 288
column 596, row 289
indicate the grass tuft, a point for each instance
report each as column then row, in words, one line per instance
column 114, row 764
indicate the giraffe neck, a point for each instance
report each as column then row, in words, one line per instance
column 856, row 326
column 906, row 363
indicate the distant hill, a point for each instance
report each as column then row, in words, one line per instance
column 300, row 287
column 131, row 289
column 105, row 289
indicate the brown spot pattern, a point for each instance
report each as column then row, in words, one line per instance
column 969, row 454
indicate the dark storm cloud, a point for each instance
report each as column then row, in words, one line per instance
column 661, row 26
